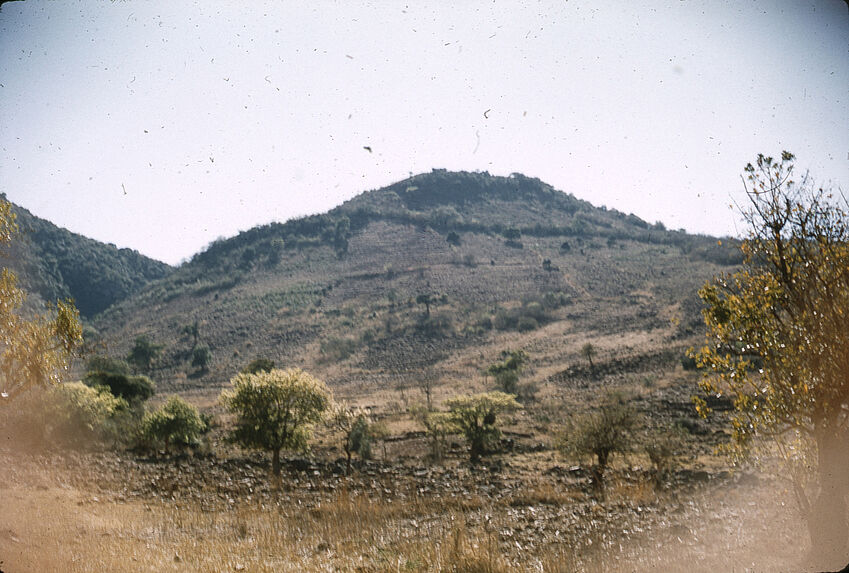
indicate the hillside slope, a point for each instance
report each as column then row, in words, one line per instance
column 54, row 263
column 504, row 262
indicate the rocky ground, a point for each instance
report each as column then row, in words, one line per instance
column 525, row 513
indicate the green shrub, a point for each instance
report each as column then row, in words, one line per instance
column 435, row 325
column 201, row 355
column 176, row 423
column 527, row 324
column 144, row 353
column 98, row 363
column 133, row 389
column 476, row 418
column 257, row 365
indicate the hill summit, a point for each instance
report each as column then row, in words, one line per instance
column 437, row 273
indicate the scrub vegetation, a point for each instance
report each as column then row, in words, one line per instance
column 458, row 372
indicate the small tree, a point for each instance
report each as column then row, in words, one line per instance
column 144, row 353
column 176, row 423
column 426, row 380
column 276, row 410
column 788, row 308
column 588, row 351
column 427, row 300
column 355, row 426
column 661, row 448
column 476, row 418
column 438, row 427
column 601, row 434
column 379, row 432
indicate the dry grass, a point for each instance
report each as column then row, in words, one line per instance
column 60, row 528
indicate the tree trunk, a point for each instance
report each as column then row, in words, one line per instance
column 275, row 462
column 475, row 450
column 827, row 520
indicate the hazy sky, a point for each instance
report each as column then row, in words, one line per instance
column 162, row 125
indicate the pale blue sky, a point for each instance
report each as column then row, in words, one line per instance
column 162, row 125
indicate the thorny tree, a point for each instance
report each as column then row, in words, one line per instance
column 788, row 309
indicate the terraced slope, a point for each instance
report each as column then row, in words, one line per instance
column 508, row 262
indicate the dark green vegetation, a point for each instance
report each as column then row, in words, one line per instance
column 420, row 274
column 56, row 264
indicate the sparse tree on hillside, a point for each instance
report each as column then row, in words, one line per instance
column 438, row 426
column 35, row 350
column 476, row 417
column 201, row 356
column 276, row 410
column 355, row 425
column 588, row 351
column 601, row 434
column 144, row 353
column 427, row 300
column 789, row 307
column 426, row 381
column 506, row 373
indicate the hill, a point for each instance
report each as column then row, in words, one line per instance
column 431, row 277
column 54, row 263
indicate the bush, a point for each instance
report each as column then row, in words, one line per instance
column 201, row 355
column 661, row 449
column 507, row 381
column 98, row 363
column 133, row 389
column 176, row 423
column 476, row 418
column 355, row 426
column 527, row 324
column 435, row 325
column 257, row 365
column 144, row 353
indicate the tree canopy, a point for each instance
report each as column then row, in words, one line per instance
column 788, row 309
column 276, row 410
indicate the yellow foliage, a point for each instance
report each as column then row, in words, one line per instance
column 34, row 350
